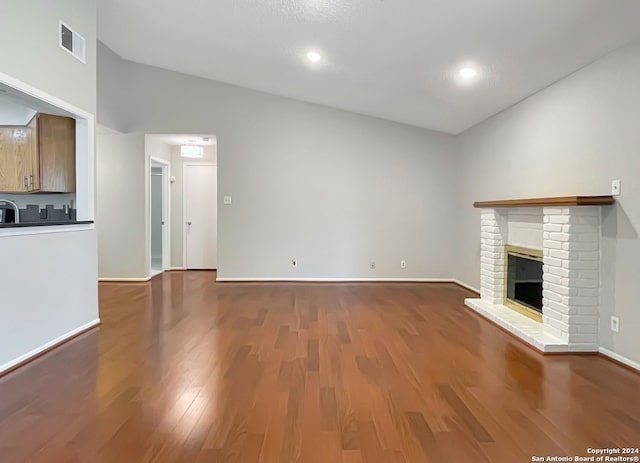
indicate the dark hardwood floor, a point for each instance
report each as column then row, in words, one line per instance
column 187, row 370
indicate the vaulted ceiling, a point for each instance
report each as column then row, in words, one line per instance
column 395, row 59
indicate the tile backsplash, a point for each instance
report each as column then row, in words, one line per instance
column 48, row 213
column 58, row 200
column 44, row 207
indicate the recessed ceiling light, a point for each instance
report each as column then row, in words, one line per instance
column 314, row 56
column 468, row 73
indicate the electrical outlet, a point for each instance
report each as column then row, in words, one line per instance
column 615, row 187
column 227, row 200
column 403, row 264
column 294, row 263
column 615, row 324
column 372, row 265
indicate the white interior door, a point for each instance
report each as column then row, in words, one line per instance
column 201, row 216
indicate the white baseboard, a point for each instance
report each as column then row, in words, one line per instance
column 469, row 287
column 124, row 280
column 176, row 269
column 47, row 346
column 619, row 358
column 341, row 280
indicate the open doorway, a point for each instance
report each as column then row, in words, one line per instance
column 159, row 208
column 190, row 202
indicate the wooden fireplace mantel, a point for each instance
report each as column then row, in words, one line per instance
column 556, row 201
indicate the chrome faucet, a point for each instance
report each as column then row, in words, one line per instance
column 15, row 208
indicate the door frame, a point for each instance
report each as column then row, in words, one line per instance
column 184, row 205
column 166, row 211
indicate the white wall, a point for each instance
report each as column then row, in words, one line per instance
column 572, row 138
column 50, row 290
column 30, row 49
column 155, row 147
column 50, row 278
column 330, row 188
column 109, row 80
column 120, row 213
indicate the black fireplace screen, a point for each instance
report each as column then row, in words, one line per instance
column 524, row 281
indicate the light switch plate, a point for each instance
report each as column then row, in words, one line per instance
column 615, row 187
column 228, row 200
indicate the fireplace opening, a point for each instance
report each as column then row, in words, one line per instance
column 523, row 281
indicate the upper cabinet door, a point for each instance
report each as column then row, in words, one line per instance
column 17, row 152
column 57, row 153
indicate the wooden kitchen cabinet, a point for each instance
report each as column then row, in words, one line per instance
column 57, row 154
column 40, row 157
column 17, row 146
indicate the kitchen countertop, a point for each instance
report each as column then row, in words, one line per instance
column 44, row 224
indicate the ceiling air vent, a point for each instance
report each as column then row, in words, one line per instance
column 72, row 42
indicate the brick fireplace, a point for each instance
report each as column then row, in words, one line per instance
column 567, row 232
